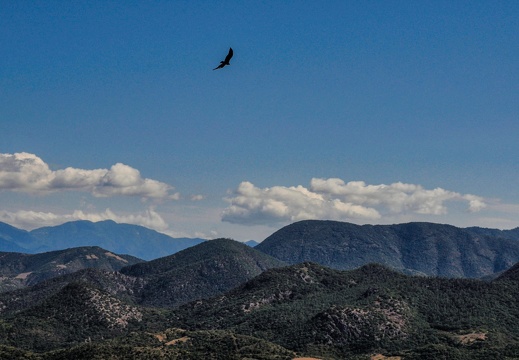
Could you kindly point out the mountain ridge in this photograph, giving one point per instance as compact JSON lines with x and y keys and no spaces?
{"x":120,"y":238}
{"x":415,"y":248}
{"x":19,"y":270}
{"x":305,"y":309}
{"x":13,"y":239}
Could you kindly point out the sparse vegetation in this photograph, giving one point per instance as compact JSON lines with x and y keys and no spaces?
{"x":342,"y":313}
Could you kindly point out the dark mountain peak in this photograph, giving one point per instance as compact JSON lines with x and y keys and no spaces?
{"x":421,"y":248}
{"x":309,"y":224}
{"x":206,"y":252}
{"x":204,"y":270}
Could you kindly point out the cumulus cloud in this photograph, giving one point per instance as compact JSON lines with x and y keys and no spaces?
{"x":397,"y":197}
{"x":33,"y":219}
{"x":336,"y":200}
{"x":28,"y":173}
{"x":253,"y":206}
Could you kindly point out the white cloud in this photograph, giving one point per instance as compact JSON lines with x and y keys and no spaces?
{"x":336,"y":200}
{"x":28,"y":173}
{"x":197,"y":197}
{"x":253,"y":206}
{"x":397,"y":197}
{"x":475,"y":203}
{"x":33,"y":219}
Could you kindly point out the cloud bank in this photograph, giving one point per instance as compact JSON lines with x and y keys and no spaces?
{"x":334,"y":199}
{"x":26,"y":172}
{"x":29,"y":220}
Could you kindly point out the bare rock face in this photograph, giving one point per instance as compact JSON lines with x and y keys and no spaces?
{"x":104,"y":307}
{"x":346,"y":325}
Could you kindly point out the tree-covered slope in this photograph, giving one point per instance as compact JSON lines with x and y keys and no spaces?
{"x":204,"y":270}
{"x":123,"y":287}
{"x":414,"y":248}
{"x":169,"y":344}
{"x":18,"y":270}
{"x":507,"y":234}
{"x":306,"y":309}
{"x":76,"y":313}
{"x":316,"y":310}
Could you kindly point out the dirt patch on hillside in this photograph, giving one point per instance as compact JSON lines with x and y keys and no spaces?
{"x":23,"y":276}
{"x":160,"y":337}
{"x":382,"y":357}
{"x":176,"y":341}
{"x":116,"y":257}
{"x":468,"y":339}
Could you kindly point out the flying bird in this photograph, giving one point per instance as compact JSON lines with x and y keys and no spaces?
{"x":226,"y":61}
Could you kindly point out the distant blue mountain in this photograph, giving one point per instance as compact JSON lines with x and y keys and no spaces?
{"x":251,"y":243}
{"x":8,"y":246}
{"x":13,"y":239}
{"x":128,"y":239}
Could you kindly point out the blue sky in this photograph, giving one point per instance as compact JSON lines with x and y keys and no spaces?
{"x":362,"y":111}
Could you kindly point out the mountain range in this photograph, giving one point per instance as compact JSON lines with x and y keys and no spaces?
{"x":135,"y":240}
{"x":207,"y":269}
{"x":283,"y":313}
{"x":222,"y":299}
{"x":413,"y":248}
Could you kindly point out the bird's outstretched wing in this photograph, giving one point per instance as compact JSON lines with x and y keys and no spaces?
{"x":229,"y":56}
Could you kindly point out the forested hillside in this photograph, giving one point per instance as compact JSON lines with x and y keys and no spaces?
{"x":413,"y":248}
